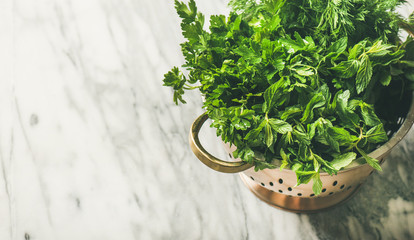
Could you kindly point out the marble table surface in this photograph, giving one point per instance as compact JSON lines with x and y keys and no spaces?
{"x":92,"y":146}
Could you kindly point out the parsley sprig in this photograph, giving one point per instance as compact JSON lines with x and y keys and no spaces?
{"x":312,"y":83}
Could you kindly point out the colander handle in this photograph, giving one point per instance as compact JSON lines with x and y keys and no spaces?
{"x":208,"y":159}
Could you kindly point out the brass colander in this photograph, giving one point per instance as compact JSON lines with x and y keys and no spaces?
{"x":276,"y":187}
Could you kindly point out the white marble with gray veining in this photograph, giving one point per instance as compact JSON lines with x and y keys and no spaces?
{"x":92,"y":146}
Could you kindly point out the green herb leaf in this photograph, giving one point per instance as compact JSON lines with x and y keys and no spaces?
{"x":349,"y":118}
{"x":176,"y":80}
{"x":301,"y":137}
{"x":271,"y":96}
{"x":341,"y":135}
{"x":188,"y":14}
{"x":304,"y":177}
{"x":317,"y":184}
{"x":285,"y":159}
{"x":317,"y":101}
{"x":268,"y":135}
{"x":324,"y":137}
{"x":343,"y":160}
{"x":347,"y":69}
{"x":280,"y":126}
{"x":364,"y":74}
{"x":339,"y":46}
{"x":255,"y":132}
{"x":356,"y":50}
{"x":379,"y":49}
{"x":290,"y":112}
{"x":377,"y":134}
{"x":304,"y":71}
{"x":368,"y":114}
{"x":371,"y":161}
{"x":248,"y":54}
{"x":327,"y":166}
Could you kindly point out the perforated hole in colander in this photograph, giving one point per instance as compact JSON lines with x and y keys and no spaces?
{"x":299,"y":194}
{"x":334,"y":183}
{"x":270,"y":183}
{"x":342,"y":187}
{"x":289,"y":189}
{"x":280,"y":180}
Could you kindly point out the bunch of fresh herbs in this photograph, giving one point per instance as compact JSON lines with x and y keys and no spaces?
{"x":313,"y":83}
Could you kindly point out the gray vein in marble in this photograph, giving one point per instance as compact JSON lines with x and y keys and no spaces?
{"x":33,"y":158}
{"x":7,"y":186}
{"x":5,"y":173}
{"x":74,"y":105}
